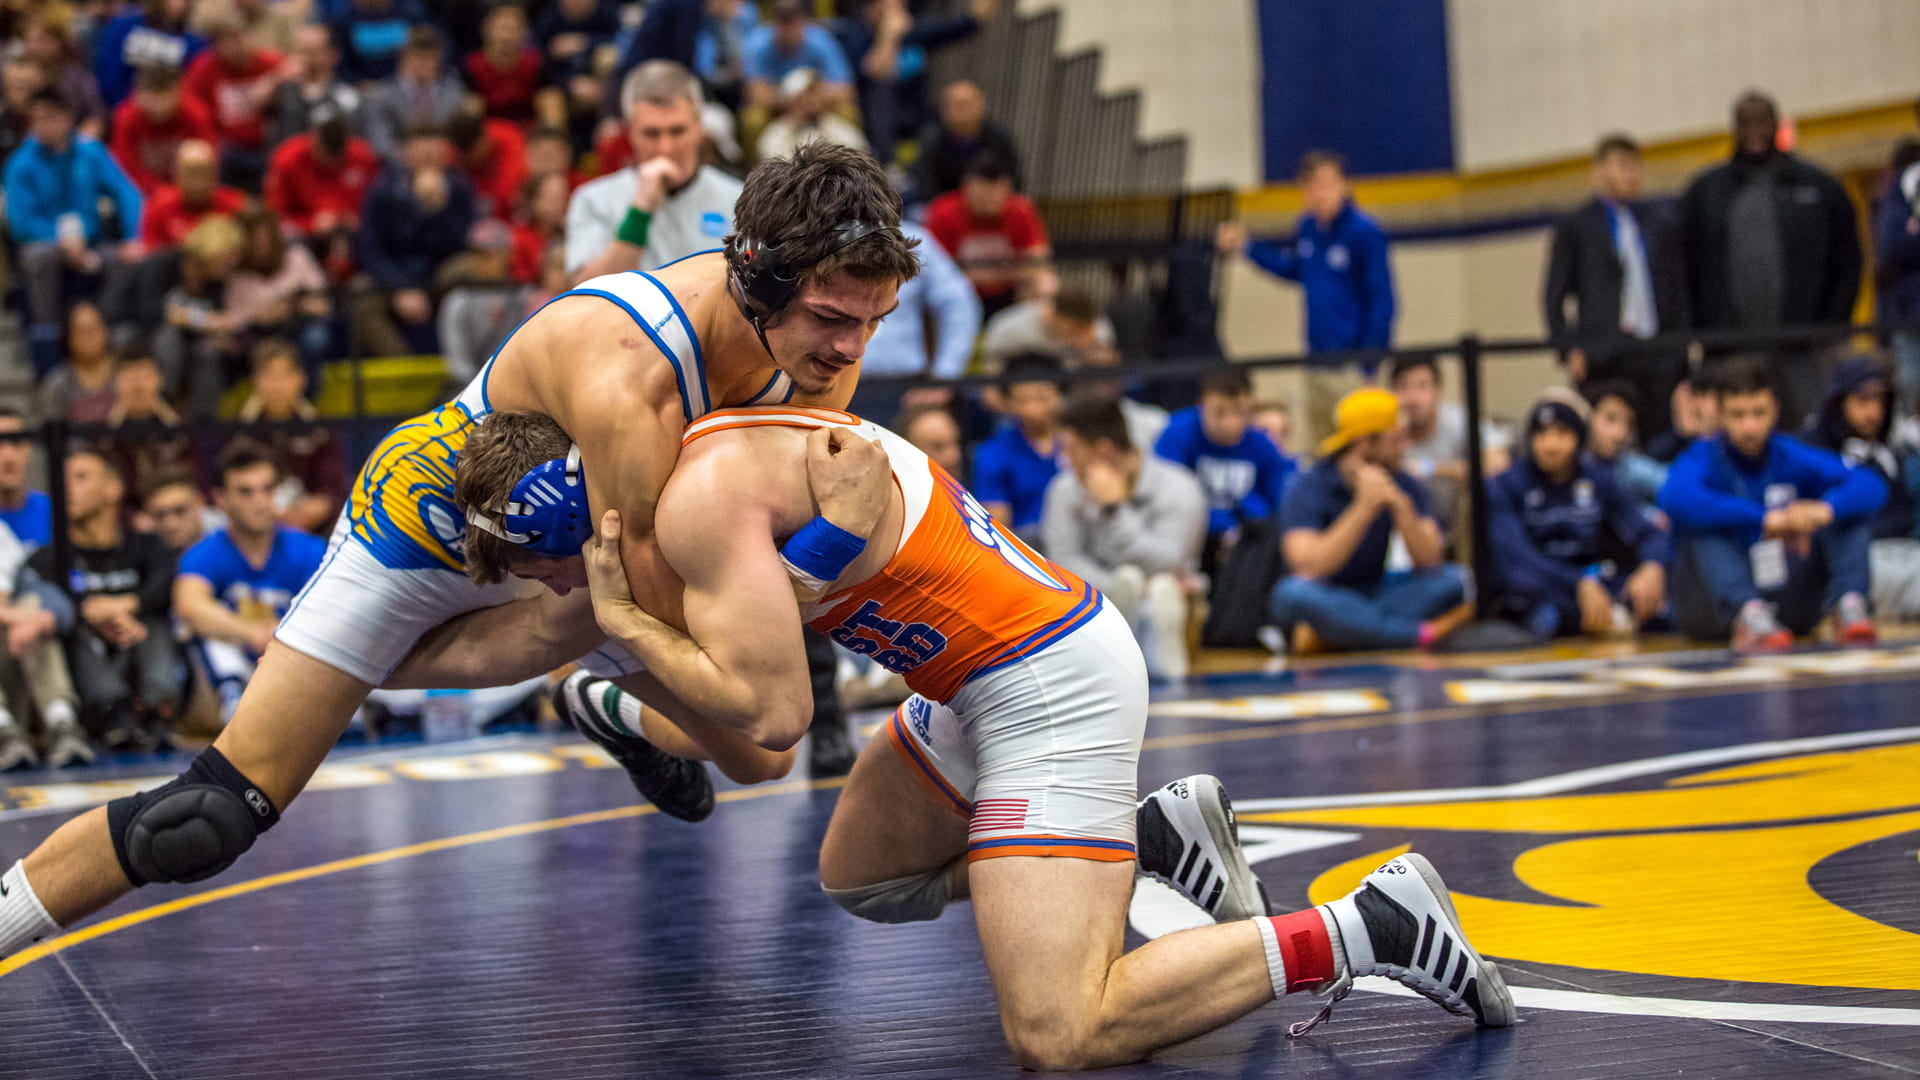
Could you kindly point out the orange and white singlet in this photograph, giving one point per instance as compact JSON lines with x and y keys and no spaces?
{"x":961,"y":597}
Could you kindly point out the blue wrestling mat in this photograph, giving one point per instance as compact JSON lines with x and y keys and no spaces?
{"x":1685,"y":865}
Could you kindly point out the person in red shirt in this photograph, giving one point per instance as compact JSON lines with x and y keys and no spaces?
{"x":543,"y":217}
{"x":493,"y":154}
{"x":150,"y":125}
{"x":505,"y":70}
{"x":316,"y":183}
{"x":234,"y":83}
{"x":196,"y":191}
{"x":995,"y":235}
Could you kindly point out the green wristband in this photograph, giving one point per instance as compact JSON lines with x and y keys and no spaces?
{"x":634,"y":229}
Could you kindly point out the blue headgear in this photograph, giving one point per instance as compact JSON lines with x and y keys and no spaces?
{"x":547,"y":513}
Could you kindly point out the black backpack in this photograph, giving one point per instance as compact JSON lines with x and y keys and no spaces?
{"x":1238,"y":599}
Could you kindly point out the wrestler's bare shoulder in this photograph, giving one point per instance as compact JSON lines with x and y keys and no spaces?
{"x":580,"y":349}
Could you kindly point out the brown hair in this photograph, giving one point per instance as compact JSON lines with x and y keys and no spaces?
{"x":799,"y":203}
{"x":270,"y":349}
{"x":1093,"y":418}
{"x":258,"y":219}
{"x":498,"y":453}
{"x":243,"y":454}
{"x":1314,"y":160}
{"x":1227,"y":383}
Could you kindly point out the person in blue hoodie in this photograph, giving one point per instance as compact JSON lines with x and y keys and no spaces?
{"x":1769,"y":532}
{"x":1854,"y":421}
{"x":1339,"y":258}
{"x":152,"y":34}
{"x":1242,"y":471}
{"x":54,"y":184}
{"x":1575,"y":552}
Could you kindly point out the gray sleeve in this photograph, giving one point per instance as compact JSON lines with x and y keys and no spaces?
{"x":1164,"y":531}
{"x":1063,"y":533}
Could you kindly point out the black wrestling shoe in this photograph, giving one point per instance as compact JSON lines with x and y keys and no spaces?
{"x":829,"y":751}
{"x":679,"y":787}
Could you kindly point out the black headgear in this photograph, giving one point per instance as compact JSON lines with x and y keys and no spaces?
{"x":764,"y":282}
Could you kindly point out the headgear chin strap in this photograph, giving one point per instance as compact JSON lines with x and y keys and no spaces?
{"x":547,"y":513}
{"x":764,"y":282}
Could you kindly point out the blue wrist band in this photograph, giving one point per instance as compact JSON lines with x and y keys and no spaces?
{"x":820,"y":552}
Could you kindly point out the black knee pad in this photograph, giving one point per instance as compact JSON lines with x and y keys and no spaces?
{"x":192,"y":827}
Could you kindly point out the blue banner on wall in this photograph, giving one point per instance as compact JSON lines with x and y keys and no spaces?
{"x":1367,"y":78}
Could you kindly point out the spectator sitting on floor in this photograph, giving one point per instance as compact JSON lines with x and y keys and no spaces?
{"x":279,"y":290}
{"x":1854,"y":422}
{"x":199,"y":347}
{"x":316,"y":80}
{"x":1012,"y":468}
{"x":416,"y":217}
{"x":1610,"y":440}
{"x":234,"y":82}
{"x":55,"y":183}
{"x":173,"y":509}
{"x":1337,"y":521}
{"x":280,"y":418}
{"x":995,"y":235}
{"x":149,"y":127}
{"x":1574,"y":553}
{"x":1066,"y":322}
{"x":125,"y":667}
{"x":421,"y":93}
{"x":1276,"y":419}
{"x":805,"y":114}
{"x":144,"y":438}
{"x":1131,"y":525}
{"x":505,"y":70}
{"x":961,"y":132}
{"x":80,"y":390}
{"x":1769,"y":532}
{"x":1437,"y":432}
{"x":1243,"y":474}
{"x":1696,"y":415}
{"x":234,"y":586}
{"x":933,"y":431}
{"x":29,"y":513}
{"x":34,"y":616}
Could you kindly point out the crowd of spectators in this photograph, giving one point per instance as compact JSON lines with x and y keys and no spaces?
{"x":209,"y":202}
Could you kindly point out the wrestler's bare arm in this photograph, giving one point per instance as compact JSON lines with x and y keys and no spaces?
{"x":741,"y":657}
{"x":501,"y":645}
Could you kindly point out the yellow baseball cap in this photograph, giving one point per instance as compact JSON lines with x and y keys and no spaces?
{"x":1367,"y":411}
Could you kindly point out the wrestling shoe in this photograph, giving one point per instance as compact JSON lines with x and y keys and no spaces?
{"x":1400,"y":924}
{"x":1188,"y":840}
{"x":679,"y":787}
{"x":1852,"y":623}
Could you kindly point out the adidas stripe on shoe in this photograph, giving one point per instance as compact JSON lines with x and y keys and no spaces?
{"x":679,"y":787}
{"x":1187,"y":839}
{"x":1400,"y":924}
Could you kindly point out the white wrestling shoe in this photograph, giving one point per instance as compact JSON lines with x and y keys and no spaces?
{"x":1187,"y":839}
{"x":1400,"y":924}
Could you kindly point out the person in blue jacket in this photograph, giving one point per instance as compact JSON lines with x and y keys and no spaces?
{"x":371,"y":34}
{"x":1338,"y":256}
{"x":54,"y":185}
{"x":1574,"y":552}
{"x":1243,"y":473}
{"x":154,"y":34}
{"x":1770,"y":533}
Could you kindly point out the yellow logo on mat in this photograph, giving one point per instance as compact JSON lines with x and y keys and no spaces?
{"x":1707,"y":875}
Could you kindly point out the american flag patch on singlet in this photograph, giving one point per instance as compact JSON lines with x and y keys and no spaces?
{"x":990,"y":815}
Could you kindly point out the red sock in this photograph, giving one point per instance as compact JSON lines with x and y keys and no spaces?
{"x":1306,"y":952}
